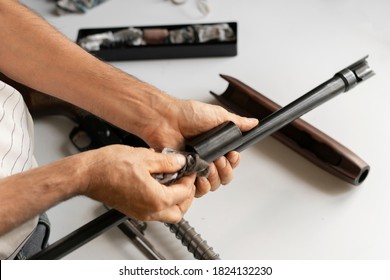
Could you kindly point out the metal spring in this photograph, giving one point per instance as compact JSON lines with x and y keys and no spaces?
{"x":193,"y":241}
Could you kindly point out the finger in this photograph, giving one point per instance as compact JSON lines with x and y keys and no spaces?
{"x":175,"y":213}
{"x":180,"y":191}
{"x":172,"y":215}
{"x":202,"y":186}
{"x":213,"y":178}
{"x":186,"y":204}
{"x":243,"y":123}
{"x":234,"y":158}
{"x":224,"y":169}
{"x":165,"y":163}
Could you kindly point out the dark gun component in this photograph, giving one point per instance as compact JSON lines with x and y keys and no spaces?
{"x":356,"y":170}
{"x":212,"y":144}
{"x":300,"y":136}
{"x":81,"y":236}
{"x":193,"y":241}
{"x":131,"y":228}
{"x":92,"y":133}
{"x":135,"y":230}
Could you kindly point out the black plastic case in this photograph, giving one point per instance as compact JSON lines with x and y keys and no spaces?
{"x":164,"y":51}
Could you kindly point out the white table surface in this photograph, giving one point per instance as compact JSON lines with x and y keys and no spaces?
{"x":279,"y":205}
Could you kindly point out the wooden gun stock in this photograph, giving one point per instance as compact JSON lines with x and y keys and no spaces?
{"x":91,"y":132}
{"x":300,"y":136}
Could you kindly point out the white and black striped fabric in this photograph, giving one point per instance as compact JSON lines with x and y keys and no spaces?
{"x":16,"y":155}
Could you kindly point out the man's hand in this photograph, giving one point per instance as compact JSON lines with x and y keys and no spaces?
{"x":121,"y":177}
{"x":181,"y":120}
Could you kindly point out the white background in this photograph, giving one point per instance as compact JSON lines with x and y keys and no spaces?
{"x":279,"y":206}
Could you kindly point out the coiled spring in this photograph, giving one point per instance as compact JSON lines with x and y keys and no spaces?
{"x":193,"y":241}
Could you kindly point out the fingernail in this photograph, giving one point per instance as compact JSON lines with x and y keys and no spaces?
{"x":252,"y":120}
{"x":203,"y":179}
{"x":234,"y":159}
{"x":212,"y":168}
{"x":181,"y":160}
{"x":225,"y":162}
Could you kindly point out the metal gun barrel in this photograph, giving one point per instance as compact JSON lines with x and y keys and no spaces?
{"x":341,"y":82}
{"x":210,"y":147}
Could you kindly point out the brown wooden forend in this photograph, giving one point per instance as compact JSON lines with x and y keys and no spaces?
{"x":299,"y":135}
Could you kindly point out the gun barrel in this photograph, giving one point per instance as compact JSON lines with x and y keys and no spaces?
{"x":343,"y":81}
{"x":210,"y":147}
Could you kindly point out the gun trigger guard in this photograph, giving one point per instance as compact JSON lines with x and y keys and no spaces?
{"x":80,"y":139}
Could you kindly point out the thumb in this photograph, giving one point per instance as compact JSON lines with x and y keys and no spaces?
{"x":243,"y":123}
{"x":166,"y":163}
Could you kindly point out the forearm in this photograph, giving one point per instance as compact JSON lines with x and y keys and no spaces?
{"x":30,"y":193}
{"x":37,"y":55}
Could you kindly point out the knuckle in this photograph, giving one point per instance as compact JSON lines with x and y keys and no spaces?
{"x":213,"y":176}
{"x":157,"y":206}
{"x":202,"y":186}
{"x":169,"y":162}
{"x":226,"y":180}
{"x":176,"y":217}
{"x":221,"y":163}
{"x":143,"y":217}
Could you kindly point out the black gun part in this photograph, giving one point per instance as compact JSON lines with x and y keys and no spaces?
{"x":227,"y":137}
